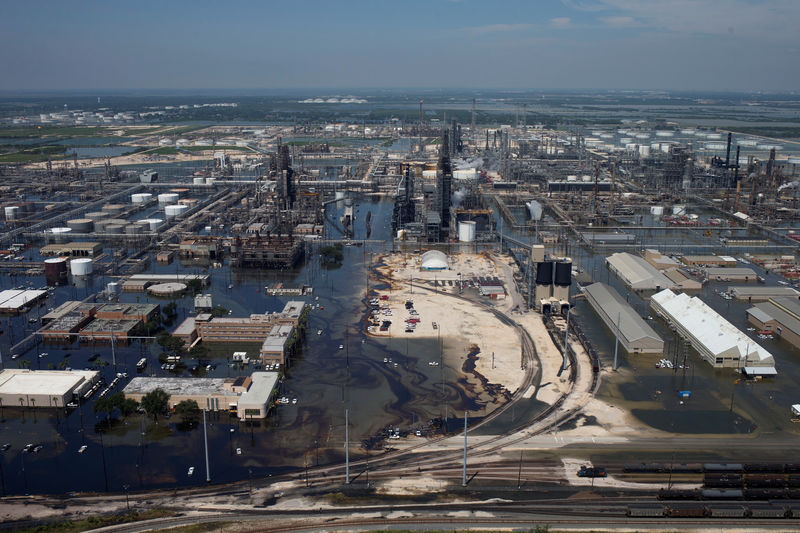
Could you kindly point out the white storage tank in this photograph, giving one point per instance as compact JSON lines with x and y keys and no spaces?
{"x":154,"y":223}
{"x":466,"y":231}
{"x":644,"y":151}
{"x":81,"y":266}
{"x":657,"y":210}
{"x":340,"y":195}
{"x":113,"y":209}
{"x":112,"y":288}
{"x":58,"y":234}
{"x":141,"y":197}
{"x":198,"y":181}
{"x":211,"y":181}
{"x":12,"y":212}
{"x":175,"y":210}
{"x":167,"y":198}
{"x":81,"y":225}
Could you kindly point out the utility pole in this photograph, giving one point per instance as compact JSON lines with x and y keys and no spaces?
{"x":616,"y":341}
{"x":420,"y":126}
{"x":566,"y":343}
{"x":347,"y":442}
{"x":519,"y":473}
{"x":464,"y":469}
{"x":205,"y":440}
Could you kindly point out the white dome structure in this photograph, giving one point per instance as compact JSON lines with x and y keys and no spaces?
{"x":433,"y":260}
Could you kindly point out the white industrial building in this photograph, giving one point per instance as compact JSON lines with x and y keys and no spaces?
{"x":717,"y":341}
{"x":433,"y":260}
{"x":635,"y":335}
{"x":637,"y":273}
{"x":44,"y":388}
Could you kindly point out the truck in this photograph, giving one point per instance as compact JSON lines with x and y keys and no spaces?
{"x":591,"y":471}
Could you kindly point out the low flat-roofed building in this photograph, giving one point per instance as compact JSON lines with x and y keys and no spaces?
{"x":780,"y":315}
{"x":186,"y":330}
{"x":205,"y":279}
{"x":637,"y":273}
{"x":213,"y":394}
{"x":731,"y":274}
{"x":659,"y":260}
{"x":136,"y":285}
{"x":255,"y":403}
{"x":709,"y":260}
{"x":14,"y":301}
{"x":717,"y":341}
{"x":201,"y":246}
{"x":44,"y":388}
{"x":635,"y":335}
{"x":73,"y":249}
{"x":682,"y":281}
{"x":273,"y":349}
{"x":66,"y":327}
{"x":608,"y":238}
{"x":254,"y":328}
{"x":760,"y":293}
{"x":125,"y":311}
{"x":104,"y":329}
{"x":67,"y":308}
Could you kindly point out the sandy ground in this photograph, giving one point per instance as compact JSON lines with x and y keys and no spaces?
{"x":460,"y":324}
{"x":411,"y":486}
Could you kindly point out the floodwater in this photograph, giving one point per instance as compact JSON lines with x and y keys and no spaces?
{"x":406,"y":393}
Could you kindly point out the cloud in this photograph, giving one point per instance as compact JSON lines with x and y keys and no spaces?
{"x":498,"y":28}
{"x":561,"y":22}
{"x":621,"y":21}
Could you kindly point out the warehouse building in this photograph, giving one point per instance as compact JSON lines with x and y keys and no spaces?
{"x":635,"y":335}
{"x":717,"y":341}
{"x":637,"y":273}
{"x":780,"y":315}
{"x":123,"y":311}
{"x":44,"y":388}
{"x":709,"y":260}
{"x":273,"y":349}
{"x":213,"y":394}
{"x":15,"y":301}
{"x":761,"y":293}
{"x":731,"y":274}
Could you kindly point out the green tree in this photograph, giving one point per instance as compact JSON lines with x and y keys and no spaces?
{"x":155,"y":403}
{"x":194,"y":286}
{"x":128,"y":407}
{"x":103,"y":406}
{"x":198,"y":351}
{"x":189,"y":412}
{"x":219,"y":311}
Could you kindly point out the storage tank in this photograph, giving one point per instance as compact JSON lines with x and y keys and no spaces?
{"x":141,"y":197}
{"x":175,"y":210}
{"x":180,"y":192}
{"x":96,"y":215}
{"x":466,"y":231}
{"x":133,"y":229}
{"x":644,"y":151}
{"x":112,"y":288}
{"x":55,"y":270}
{"x":563,"y":274}
{"x":81,"y":266}
{"x":113,"y":209}
{"x":665,"y":133}
{"x":58,"y":234}
{"x":544,"y":273}
{"x":211,"y":181}
{"x":198,"y":181}
{"x":12,"y":212}
{"x":154,"y":223}
{"x":167,"y":198}
{"x":340,"y":195}
{"x":115,"y":229}
{"x":144,"y":224}
{"x":81,"y":225}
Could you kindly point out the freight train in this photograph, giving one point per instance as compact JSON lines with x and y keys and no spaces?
{"x":716,"y":510}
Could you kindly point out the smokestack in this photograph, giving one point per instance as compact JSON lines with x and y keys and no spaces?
{"x":736,"y":167}
{"x":728,"y":152}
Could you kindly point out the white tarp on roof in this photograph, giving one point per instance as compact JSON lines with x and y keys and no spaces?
{"x":710,"y":334}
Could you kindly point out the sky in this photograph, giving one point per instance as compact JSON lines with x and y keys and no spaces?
{"x":704,"y":45}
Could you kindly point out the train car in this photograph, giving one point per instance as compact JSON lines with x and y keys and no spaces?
{"x":722,"y":480}
{"x":687,"y":511}
{"x":676,"y":494}
{"x":646,"y":511}
{"x":645,"y":468}
{"x":727,"y":511}
{"x":791,"y":468}
{"x":771,"y":481}
{"x":793,"y":480}
{"x":768,"y":511}
{"x":765,"y":494}
{"x":722,"y":467}
{"x":722,"y":494}
{"x":687,"y":468}
{"x":764,"y":468}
